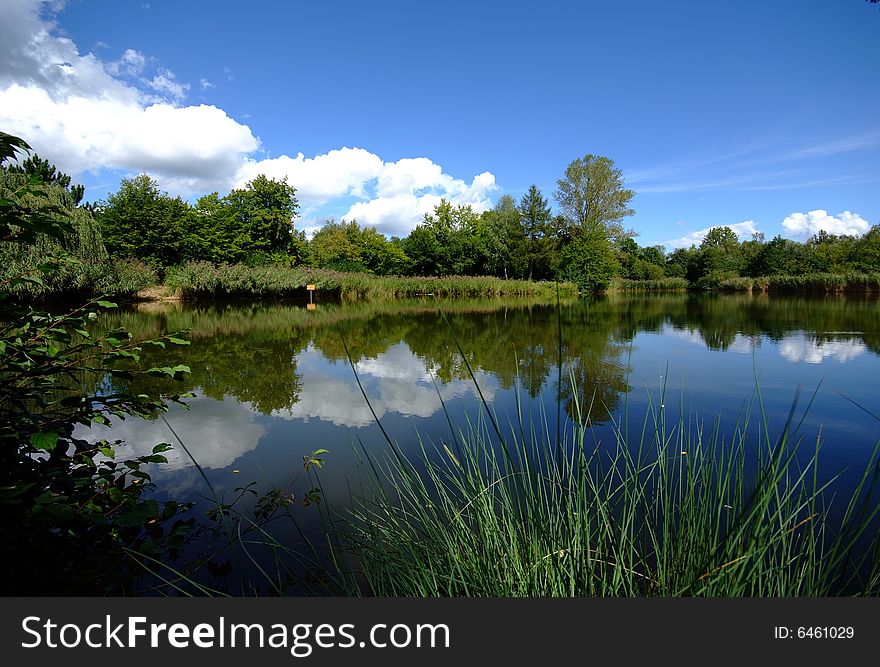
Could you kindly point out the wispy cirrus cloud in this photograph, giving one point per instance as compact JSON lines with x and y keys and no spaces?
{"x":761,"y":167}
{"x":859,"y":142}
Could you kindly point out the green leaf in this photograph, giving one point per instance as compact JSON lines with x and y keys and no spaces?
{"x":161,"y":447}
{"x":177,"y":341}
{"x":115,"y":494}
{"x":106,"y":304}
{"x":45,"y":441}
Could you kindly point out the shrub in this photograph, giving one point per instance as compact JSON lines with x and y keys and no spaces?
{"x":589,"y":262}
{"x":73,"y":515}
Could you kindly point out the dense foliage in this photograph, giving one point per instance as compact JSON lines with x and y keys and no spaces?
{"x":586,"y":244}
{"x":142,"y":222}
{"x":255,"y":226}
{"x":67,"y":240}
{"x":75,"y":517}
{"x":150,"y":236}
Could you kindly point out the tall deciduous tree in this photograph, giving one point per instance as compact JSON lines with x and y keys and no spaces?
{"x":141,"y":221}
{"x":719,"y":254}
{"x":346,"y":246}
{"x":266,"y":208}
{"x":589,"y":262}
{"x":447,"y":242}
{"x":592,"y":196}
{"x":215,"y":233}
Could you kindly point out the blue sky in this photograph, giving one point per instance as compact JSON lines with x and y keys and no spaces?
{"x":759,"y":115}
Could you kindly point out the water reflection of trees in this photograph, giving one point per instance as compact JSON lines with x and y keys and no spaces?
{"x":250,"y":351}
{"x":719,"y":319}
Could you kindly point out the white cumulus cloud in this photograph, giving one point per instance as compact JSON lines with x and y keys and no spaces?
{"x":803,"y":225}
{"x":409,"y":188}
{"x":217,"y":433}
{"x":743,"y":231}
{"x":405,"y":197}
{"x":187,"y":148}
{"x":396,"y":195}
{"x":337,"y":173}
{"x":397,"y":382}
{"x":129,"y":113}
{"x":76,"y":110}
{"x":166,"y":85}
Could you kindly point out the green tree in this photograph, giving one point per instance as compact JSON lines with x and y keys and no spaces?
{"x":141,"y":221}
{"x":750,"y":252}
{"x":866,"y":254}
{"x":719,"y":255}
{"x":334,"y":246}
{"x":447,"y":242}
{"x":640,"y":263}
{"x":503,"y":239}
{"x":424,"y":251}
{"x":592,"y":196}
{"x":265,"y":208}
{"x":589,"y":262}
{"x":783,"y":256}
{"x":683,"y":263}
{"x":346,"y":246}
{"x":215,"y":232}
{"x":73,"y":515}
{"x":48,"y":173}
{"x":541,"y":245}
{"x":833,"y":254}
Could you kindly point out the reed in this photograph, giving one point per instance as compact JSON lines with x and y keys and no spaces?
{"x":820,"y":283}
{"x":658,"y":285}
{"x":674,"y":511}
{"x":201,"y":280}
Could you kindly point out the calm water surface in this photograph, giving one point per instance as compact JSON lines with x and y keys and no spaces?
{"x":273,"y":382}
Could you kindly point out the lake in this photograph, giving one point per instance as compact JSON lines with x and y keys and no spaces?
{"x":276,"y":381}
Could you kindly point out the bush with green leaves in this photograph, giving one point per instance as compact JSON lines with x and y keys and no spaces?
{"x":589,"y":262}
{"x":77,"y":517}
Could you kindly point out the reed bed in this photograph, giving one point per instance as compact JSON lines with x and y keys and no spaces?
{"x":76,"y":279}
{"x":664,"y":508}
{"x":201,"y":280}
{"x":822,"y":283}
{"x":672,"y":512}
{"x":658,"y":285}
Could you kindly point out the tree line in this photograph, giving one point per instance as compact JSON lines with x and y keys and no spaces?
{"x":584,"y":241}
{"x":255,"y":224}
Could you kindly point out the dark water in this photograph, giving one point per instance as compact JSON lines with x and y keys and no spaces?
{"x":273,"y":382}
